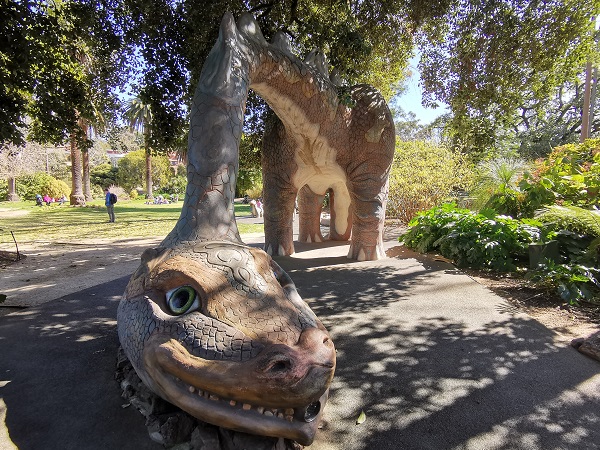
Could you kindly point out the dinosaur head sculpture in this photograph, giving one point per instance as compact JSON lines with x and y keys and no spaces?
{"x":218,"y":329}
{"x":210,"y":324}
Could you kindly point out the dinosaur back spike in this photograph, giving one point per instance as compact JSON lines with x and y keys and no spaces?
{"x":316,"y":58}
{"x":248,"y":27}
{"x":282,"y":42}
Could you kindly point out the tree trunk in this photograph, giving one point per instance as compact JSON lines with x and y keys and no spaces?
{"x":87,"y":186}
{"x":85,"y":158}
{"x":76,"y":198}
{"x":12,"y":190}
{"x":149,"y":194}
{"x":585,"y":117}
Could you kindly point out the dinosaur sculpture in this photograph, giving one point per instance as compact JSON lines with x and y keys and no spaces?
{"x":321,"y":143}
{"x":209,"y":324}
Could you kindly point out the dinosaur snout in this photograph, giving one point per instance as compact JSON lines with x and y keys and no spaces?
{"x":300,"y":372}
{"x":318,"y":347}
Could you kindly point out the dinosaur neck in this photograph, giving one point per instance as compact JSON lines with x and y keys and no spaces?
{"x":299,"y":93}
{"x":302,"y":97}
{"x":213,"y":146}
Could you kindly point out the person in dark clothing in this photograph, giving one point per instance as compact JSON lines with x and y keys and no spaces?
{"x":110,"y":207}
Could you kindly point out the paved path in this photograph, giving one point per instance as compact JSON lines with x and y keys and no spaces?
{"x":433,"y":359}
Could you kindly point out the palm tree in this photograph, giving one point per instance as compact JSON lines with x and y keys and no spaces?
{"x":139,"y":117}
{"x":77,"y":197}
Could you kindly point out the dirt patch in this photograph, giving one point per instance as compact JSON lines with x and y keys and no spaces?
{"x":7,"y":258}
{"x":50,"y":270}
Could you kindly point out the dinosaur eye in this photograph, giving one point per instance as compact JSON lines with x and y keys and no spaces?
{"x":182,"y":299}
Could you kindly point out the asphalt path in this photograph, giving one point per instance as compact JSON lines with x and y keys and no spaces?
{"x":433,"y":360}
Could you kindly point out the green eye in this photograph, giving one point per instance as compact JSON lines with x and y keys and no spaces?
{"x":182,"y":299}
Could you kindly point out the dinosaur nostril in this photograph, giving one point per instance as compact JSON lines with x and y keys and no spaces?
{"x":280,"y":366}
{"x":325,"y":339}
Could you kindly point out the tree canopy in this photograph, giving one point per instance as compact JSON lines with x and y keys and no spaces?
{"x":61,"y":61}
{"x":488,"y":58}
{"x":68,"y":59}
{"x":364,"y":41}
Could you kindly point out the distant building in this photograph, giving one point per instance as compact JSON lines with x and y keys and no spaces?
{"x":114,"y":157}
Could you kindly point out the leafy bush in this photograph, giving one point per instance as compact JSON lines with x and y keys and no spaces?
{"x":133,"y":194}
{"x":248,"y":179}
{"x":574,"y":282}
{"x":495,"y":186}
{"x":576,"y":277}
{"x":176,"y":186}
{"x":120,"y":192}
{"x":488,"y":241}
{"x":570,"y":175}
{"x":103,"y":175}
{"x":424,"y":175}
{"x":506,"y":201}
{"x":571,"y":218}
{"x":480,"y":240}
{"x":3,"y":189}
{"x":55,"y":188}
{"x":255,"y":191}
{"x":28,"y":186}
{"x":132,"y":170}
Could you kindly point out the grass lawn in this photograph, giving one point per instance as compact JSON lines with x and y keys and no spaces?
{"x":135,"y":219}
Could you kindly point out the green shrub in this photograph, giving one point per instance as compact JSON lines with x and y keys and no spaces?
{"x":133,"y":194}
{"x":255,"y":191}
{"x":480,"y":240}
{"x":570,"y":175}
{"x":176,"y":186}
{"x":248,"y":178}
{"x":495,"y":186}
{"x":488,"y":241}
{"x":574,"y":282}
{"x":132,"y":170}
{"x":103,"y":175}
{"x":506,"y":201}
{"x":571,"y":218}
{"x":55,"y":188}
{"x":28,"y":186}
{"x":424,"y":175}
{"x":97,"y":191}
{"x":3,"y":189}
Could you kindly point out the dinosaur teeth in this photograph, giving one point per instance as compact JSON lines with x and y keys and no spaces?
{"x":284,"y":414}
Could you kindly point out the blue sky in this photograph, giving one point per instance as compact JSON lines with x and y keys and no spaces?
{"x":411,"y":99}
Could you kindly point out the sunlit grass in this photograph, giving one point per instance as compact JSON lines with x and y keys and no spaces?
{"x":31,"y":223}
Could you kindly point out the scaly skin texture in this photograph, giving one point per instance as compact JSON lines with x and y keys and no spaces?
{"x":209,"y":324}
{"x":248,"y":355}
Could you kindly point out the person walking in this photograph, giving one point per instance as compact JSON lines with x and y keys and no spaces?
{"x":110,"y":207}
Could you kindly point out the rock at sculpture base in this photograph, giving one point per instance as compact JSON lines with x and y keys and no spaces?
{"x":589,"y":346}
{"x":173,"y":428}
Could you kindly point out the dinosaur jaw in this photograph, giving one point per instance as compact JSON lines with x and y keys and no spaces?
{"x":214,"y":395}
